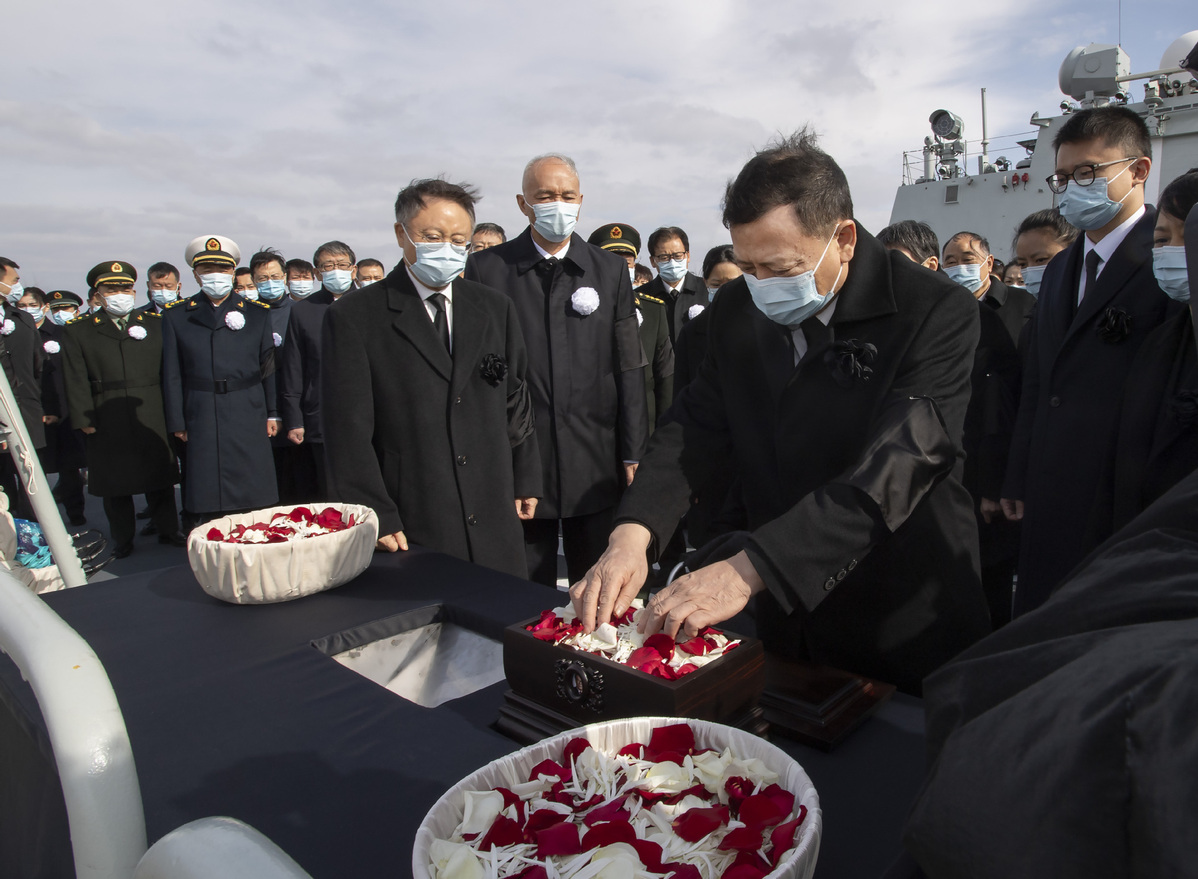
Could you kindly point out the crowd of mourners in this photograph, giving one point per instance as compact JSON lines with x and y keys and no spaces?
{"x":891,"y":444}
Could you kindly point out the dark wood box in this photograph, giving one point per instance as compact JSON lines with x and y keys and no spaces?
{"x":588,"y":688}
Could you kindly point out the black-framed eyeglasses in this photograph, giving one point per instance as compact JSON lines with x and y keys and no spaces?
{"x":670,"y":257}
{"x":1083,"y":175}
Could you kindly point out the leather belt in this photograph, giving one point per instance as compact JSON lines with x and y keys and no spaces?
{"x":221,"y":385}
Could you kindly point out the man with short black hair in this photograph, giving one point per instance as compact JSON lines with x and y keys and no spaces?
{"x":913,"y":239}
{"x":243,"y":283}
{"x":836,"y":380}
{"x":969,"y":262}
{"x":427,"y":412}
{"x":301,"y":279}
{"x":578,"y":318}
{"x":162,"y":287}
{"x":269,"y":271}
{"x":675,"y":285}
{"x":370,"y":271}
{"x":1098,"y":302}
{"x":486,"y":235}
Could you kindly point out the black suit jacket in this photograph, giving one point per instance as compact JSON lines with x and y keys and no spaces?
{"x":300,"y":374}
{"x":1074,"y":374}
{"x":22,"y":358}
{"x":584,"y":371}
{"x":439,"y":446}
{"x":655,"y":339}
{"x":64,"y":446}
{"x":1014,"y":306}
{"x":861,"y":528}
{"x":678,"y":305}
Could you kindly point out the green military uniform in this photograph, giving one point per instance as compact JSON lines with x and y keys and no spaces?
{"x":112,"y":376}
{"x":651,"y":315}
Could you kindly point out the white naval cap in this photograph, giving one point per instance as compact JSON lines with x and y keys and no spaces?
{"x":212,"y":248}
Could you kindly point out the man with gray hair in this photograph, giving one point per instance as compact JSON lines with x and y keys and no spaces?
{"x":585,"y":369}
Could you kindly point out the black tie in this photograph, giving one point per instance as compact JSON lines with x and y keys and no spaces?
{"x":1092,"y":262}
{"x":816,"y":334}
{"x":440,"y":322}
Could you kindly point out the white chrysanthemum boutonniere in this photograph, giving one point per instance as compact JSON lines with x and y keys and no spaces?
{"x":277,"y":339}
{"x":137,"y":332}
{"x":694,"y":311}
{"x":640,"y":318}
{"x":585,"y":300}
{"x":51,"y":347}
{"x":235,"y":320}
{"x":8,"y":328}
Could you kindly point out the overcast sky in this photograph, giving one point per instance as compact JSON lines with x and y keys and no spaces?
{"x":130,"y":128}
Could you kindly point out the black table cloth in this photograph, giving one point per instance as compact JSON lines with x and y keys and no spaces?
{"x":232,"y":710}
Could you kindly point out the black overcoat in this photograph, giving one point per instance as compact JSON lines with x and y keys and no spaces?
{"x":439,"y":446}
{"x":1074,"y":372}
{"x":299,"y":381}
{"x":860,"y":526}
{"x":113,"y":382}
{"x":64,"y":445}
{"x":22,"y":358}
{"x":1014,"y":306}
{"x":655,"y":339}
{"x":678,"y":305}
{"x":584,"y":371}
{"x":219,"y":386}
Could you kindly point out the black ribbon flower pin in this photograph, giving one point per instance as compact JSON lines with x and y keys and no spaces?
{"x":1185,"y":407}
{"x":848,"y":361}
{"x":1115,"y":325}
{"x":493,"y":369}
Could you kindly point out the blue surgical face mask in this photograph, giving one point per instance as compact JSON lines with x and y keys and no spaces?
{"x":15,"y":292}
{"x":438,"y":262}
{"x":1089,"y":207}
{"x":216,"y":285}
{"x":791,"y":300}
{"x":302,"y":289}
{"x":555,"y":220}
{"x":272,"y":289}
{"x":119,"y":304}
{"x":34,"y":312}
{"x":1032,"y":275}
{"x":968,"y":275}
{"x":337,"y":281}
{"x":672,"y":270}
{"x":1169,"y":267}
{"x":711,"y":291}
{"x":61,"y":317}
{"x":632,"y":277}
{"x":163,"y":298}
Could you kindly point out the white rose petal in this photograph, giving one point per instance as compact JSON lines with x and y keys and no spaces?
{"x":481,"y":810}
{"x":51,"y":347}
{"x":137,"y":332}
{"x":585,"y":300}
{"x":694,"y":311}
{"x":235,"y":320}
{"x":455,"y":861}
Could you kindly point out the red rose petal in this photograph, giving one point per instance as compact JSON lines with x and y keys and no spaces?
{"x":738,"y":789}
{"x":761,"y":811}
{"x":539,"y":820}
{"x":587,"y":804}
{"x":742,"y":839}
{"x":574,"y":749}
{"x":694,"y":824}
{"x":753,"y":859}
{"x":697,"y":791}
{"x":549,"y":769}
{"x":214,"y":534}
{"x":558,"y":839}
{"x":686,"y":669}
{"x":743,"y":871}
{"x":698,"y":646}
{"x":636,"y":749}
{"x":503,"y":831}
{"x":607,"y":833}
{"x":650,"y":854}
{"x":611,"y":811}
{"x":678,"y":737}
{"x":783,"y":837}
{"x":662,"y":643}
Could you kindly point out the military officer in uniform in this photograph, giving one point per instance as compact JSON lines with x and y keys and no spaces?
{"x":112,"y":375}
{"x":218,"y":369}
{"x":623,"y":240}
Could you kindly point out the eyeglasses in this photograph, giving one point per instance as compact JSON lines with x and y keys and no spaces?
{"x":434,"y":238}
{"x":670,"y":257}
{"x":1083,"y":175}
{"x":344,"y":266}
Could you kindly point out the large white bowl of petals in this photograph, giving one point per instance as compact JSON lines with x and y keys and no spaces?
{"x":640,"y":798}
{"x":282,"y":553}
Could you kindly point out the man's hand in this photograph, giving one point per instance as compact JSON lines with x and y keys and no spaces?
{"x":614,"y":580}
{"x":629,"y":472}
{"x":990,"y":510}
{"x":296,"y":435}
{"x":708,"y":596}
{"x":49,"y":419}
{"x":181,"y":434}
{"x":525,"y":507}
{"x":392,"y":542}
{"x":88,"y":430}
{"x":272,"y":426}
{"x":1012,"y":509}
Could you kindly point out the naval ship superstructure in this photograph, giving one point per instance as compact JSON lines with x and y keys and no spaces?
{"x":938,"y":189}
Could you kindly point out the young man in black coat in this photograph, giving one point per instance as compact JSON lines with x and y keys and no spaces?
{"x":675,"y":285}
{"x":585,"y":361}
{"x":427,"y":417}
{"x":837,"y":380}
{"x":1098,"y":303}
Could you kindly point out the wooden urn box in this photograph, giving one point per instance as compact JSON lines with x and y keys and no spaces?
{"x":555,"y":688}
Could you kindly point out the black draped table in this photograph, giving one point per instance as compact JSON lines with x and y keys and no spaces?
{"x":233,"y":711}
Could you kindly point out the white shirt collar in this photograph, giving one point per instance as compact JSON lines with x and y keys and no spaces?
{"x":426,"y":292}
{"x":1107,"y":246}
{"x":545,"y":254}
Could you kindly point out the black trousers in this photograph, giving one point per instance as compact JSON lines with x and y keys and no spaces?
{"x":122,"y":521}
{"x":69,"y":491}
{"x":583,"y":540}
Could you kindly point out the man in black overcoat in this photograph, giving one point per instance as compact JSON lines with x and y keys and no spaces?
{"x":1098,"y":302}
{"x":218,"y":382}
{"x":968,"y":261}
{"x":427,"y":416}
{"x":578,"y":318}
{"x":675,"y":285}
{"x":837,"y":380}
{"x":112,"y":374}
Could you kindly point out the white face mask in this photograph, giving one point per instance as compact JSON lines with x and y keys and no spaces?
{"x":672,"y":270}
{"x":119,"y":304}
{"x":34,"y":312}
{"x":1032,"y":276}
{"x":249,"y":293}
{"x":302,"y":289}
{"x":632,"y":276}
{"x":337,"y":281}
{"x":217,"y":285}
{"x":555,"y":220}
